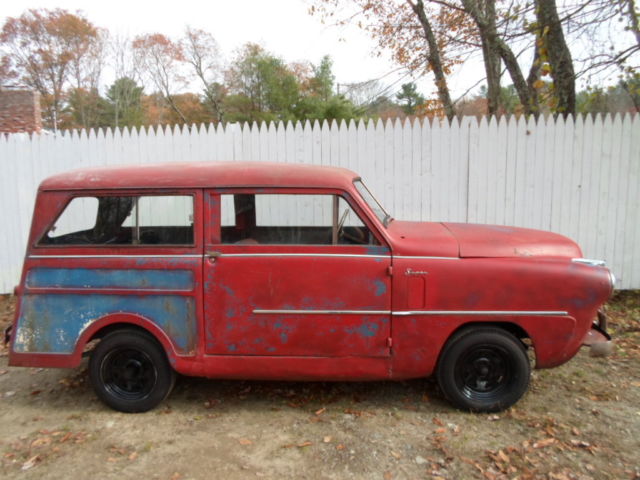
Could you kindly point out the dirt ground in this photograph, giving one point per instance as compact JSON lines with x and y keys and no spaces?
{"x":579,"y":421}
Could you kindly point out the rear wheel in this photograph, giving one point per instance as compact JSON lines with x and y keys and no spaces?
{"x":484,"y":370}
{"x":129,"y":371}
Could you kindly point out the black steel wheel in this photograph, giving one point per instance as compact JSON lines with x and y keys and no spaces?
{"x":129,"y":371}
{"x":483,"y":369}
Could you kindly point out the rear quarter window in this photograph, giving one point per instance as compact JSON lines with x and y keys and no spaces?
{"x":124,"y":220}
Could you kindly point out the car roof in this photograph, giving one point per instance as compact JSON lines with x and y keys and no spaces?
{"x":201,"y":175}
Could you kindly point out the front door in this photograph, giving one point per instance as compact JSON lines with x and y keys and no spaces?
{"x":295,"y":274}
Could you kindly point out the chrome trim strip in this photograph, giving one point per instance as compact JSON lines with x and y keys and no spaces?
{"x":323,"y":312}
{"x":349,"y":255}
{"x":589,"y":261}
{"x":410,"y":257}
{"x":521,"y":313}
{"x":274,"y":254}
{"x":116,"y":256}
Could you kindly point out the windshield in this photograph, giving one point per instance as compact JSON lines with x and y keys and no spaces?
{"x":374,"y":205}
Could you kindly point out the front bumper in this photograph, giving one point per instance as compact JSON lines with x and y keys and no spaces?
{"x":598,"y":339}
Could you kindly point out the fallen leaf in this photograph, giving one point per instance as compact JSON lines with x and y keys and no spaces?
{"x":395,"y":455}
{"x":544,"y":443}
{"x":580,"y":443}
{"x":387,"y":475}
{"x":112,"y":459}
{"x":321,"y":411}
{"x":40,"y":442}
{"x":437,"y":421}
{"x":305,"y":444}
{"x":503,"y":456}
{"x":440,"y":430}
{"x":133,"y":456}
{"x":493,"y":418}
{"x":30,"y":463}
{"x":245,"y":441}
{"x":340,"y":447}
{"x":326,"y":439}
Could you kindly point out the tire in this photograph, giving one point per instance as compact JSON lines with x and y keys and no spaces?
{"x":483,"y":370}
{"x":129,"y":371}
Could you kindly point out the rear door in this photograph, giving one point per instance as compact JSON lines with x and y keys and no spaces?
{"x":283,"y":277}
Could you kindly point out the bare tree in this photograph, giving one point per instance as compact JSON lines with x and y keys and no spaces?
{"x":434,"y":58}
{"x":201,"y":52}
{"x":127,"y":70}
{"x":160,"y":59}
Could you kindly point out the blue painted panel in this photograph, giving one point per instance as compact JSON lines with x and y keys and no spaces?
{"x":110,"y":278}
{"x":52,"y":323}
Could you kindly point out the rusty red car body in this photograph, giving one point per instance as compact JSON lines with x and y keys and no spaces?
{"x":380,"y":307}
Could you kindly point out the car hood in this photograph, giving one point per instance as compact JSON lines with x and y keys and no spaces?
{"x":498,"y":241}
{"x":430,"y":239}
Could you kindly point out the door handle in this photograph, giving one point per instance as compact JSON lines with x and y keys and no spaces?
{"x":213,"y":255}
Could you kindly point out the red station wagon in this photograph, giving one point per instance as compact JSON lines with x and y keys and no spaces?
{"x":289,"y":272}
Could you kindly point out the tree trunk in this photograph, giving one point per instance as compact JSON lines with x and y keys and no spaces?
{"x":491,"y":61}
{"x":505,"y":53}
{"x":534,"y":75}
{"x":634,"y":25}
{"x":559,"y":56}
{"x":434,"y":59}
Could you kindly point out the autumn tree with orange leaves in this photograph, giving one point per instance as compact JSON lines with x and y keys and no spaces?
{"x":434,"y":35}
{"x":424,"y":38}
{"x":46,"y":48}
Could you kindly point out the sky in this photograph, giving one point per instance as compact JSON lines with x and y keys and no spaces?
{"x":283,"y":27}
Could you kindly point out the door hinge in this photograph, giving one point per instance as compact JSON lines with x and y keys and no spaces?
{"x":389,"y":342}
{"x":390,"y":270}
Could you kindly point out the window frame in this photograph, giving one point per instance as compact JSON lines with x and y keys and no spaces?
{"x":195,"y":194}
{"x":214,"y":234}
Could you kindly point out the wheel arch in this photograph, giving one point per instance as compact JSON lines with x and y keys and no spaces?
{"x":510,"y":327}
{"x":121,"y":321}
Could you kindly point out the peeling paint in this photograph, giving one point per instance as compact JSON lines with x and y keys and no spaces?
{"x":367,"y":329}
{"x":95,"y":278}
{"x":380,"y":287}
{"x":52,"y":323}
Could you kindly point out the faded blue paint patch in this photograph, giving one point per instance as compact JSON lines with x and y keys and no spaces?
{"x":232,"y":347}
{"x":52,"y":323}
{"x":228,"y":289}
{"x":284,"y":330}
{"x":380,"y":287}
{"x":107,"y":278}
{"x":377,"y":250}
{"x":367,"y":329}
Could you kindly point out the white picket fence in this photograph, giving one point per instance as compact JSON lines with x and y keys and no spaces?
{"x":576,"y":177}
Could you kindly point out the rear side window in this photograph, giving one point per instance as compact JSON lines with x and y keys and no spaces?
{"x":132,"y":220}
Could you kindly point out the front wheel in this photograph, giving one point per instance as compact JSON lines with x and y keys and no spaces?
{"x":129,"y":371}
{"x":483,"y":369}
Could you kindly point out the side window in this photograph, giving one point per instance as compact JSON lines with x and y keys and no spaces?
{"x":291,"y":219}
{"x":79,"y":217}
{"x":133,"y":220}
